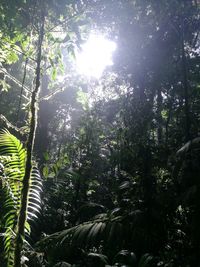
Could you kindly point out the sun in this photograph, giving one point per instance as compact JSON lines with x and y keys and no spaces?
{"x":95,"y":56}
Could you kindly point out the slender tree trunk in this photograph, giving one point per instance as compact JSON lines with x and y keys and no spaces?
{"x":159,"y":116}
{"x":185,"y":87}
{"x":30,"y":144}
{"x":167,"y":124}
{"x":44,"y":116}
{"x":61,"y":140}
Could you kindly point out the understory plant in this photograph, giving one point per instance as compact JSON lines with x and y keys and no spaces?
{"x":13,"y":160}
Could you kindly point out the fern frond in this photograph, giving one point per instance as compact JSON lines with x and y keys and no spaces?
{"x":13,"y":157}
{"x":34,"y":199}
{"x":11,"y":147}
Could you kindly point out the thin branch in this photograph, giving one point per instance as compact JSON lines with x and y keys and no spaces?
{"x":9,"y":125}
{"x":47,"y":97}
{"x":65,"y":21}
{"x":12,"y":78}
{"x":24,"y":76}
{"x":22,"y":88}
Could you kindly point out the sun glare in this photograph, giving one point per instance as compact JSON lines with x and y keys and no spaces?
{"x":95,"y":56}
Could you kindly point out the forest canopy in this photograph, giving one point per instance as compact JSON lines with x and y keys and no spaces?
{"x":99,"y":133}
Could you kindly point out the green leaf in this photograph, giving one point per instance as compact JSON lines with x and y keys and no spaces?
{"x":46,"y":156}
{"x":13,"y":156}
{"x":45,"y":171}
{"x":82,"y":98}
{"x":54,"y":73}
{"x":11,"y":58}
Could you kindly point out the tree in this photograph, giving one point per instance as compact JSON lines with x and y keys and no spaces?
{"x":40,"y":27}
{"x":116,"y":156}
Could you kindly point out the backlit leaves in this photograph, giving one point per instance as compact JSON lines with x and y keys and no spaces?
{"x":13,"y":156}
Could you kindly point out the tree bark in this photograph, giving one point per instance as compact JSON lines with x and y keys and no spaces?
{"x":159,"y":116}
{"x":30,"y":144}
{"x":44,"y":116}
{"x":185,"y":87}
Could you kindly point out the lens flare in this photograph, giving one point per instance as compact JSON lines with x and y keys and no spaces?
{"x":95,"y":56}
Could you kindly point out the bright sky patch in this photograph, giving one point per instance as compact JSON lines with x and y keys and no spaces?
{"x":95,"y":56}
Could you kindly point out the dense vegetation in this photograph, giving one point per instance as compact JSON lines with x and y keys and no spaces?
{"x":100,"y":172}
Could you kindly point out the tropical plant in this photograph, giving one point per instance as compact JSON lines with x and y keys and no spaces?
{"x":105,"y":234}
{"x":13,"y":159}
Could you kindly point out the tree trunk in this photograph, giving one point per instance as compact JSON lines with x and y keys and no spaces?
{"x":185,"y":87}
{"x":159,"y":116}
{"x":30,"y":144}
{"x":44,"y":115}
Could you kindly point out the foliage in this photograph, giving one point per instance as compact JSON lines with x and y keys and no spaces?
{"x":116,"y":193}
{"x":13,"y":159}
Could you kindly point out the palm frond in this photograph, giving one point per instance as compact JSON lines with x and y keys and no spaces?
{"x":108,"y":232}
{"x":34,"y":200}
{"x":13,"y":157}
{"x":14,"y":162}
